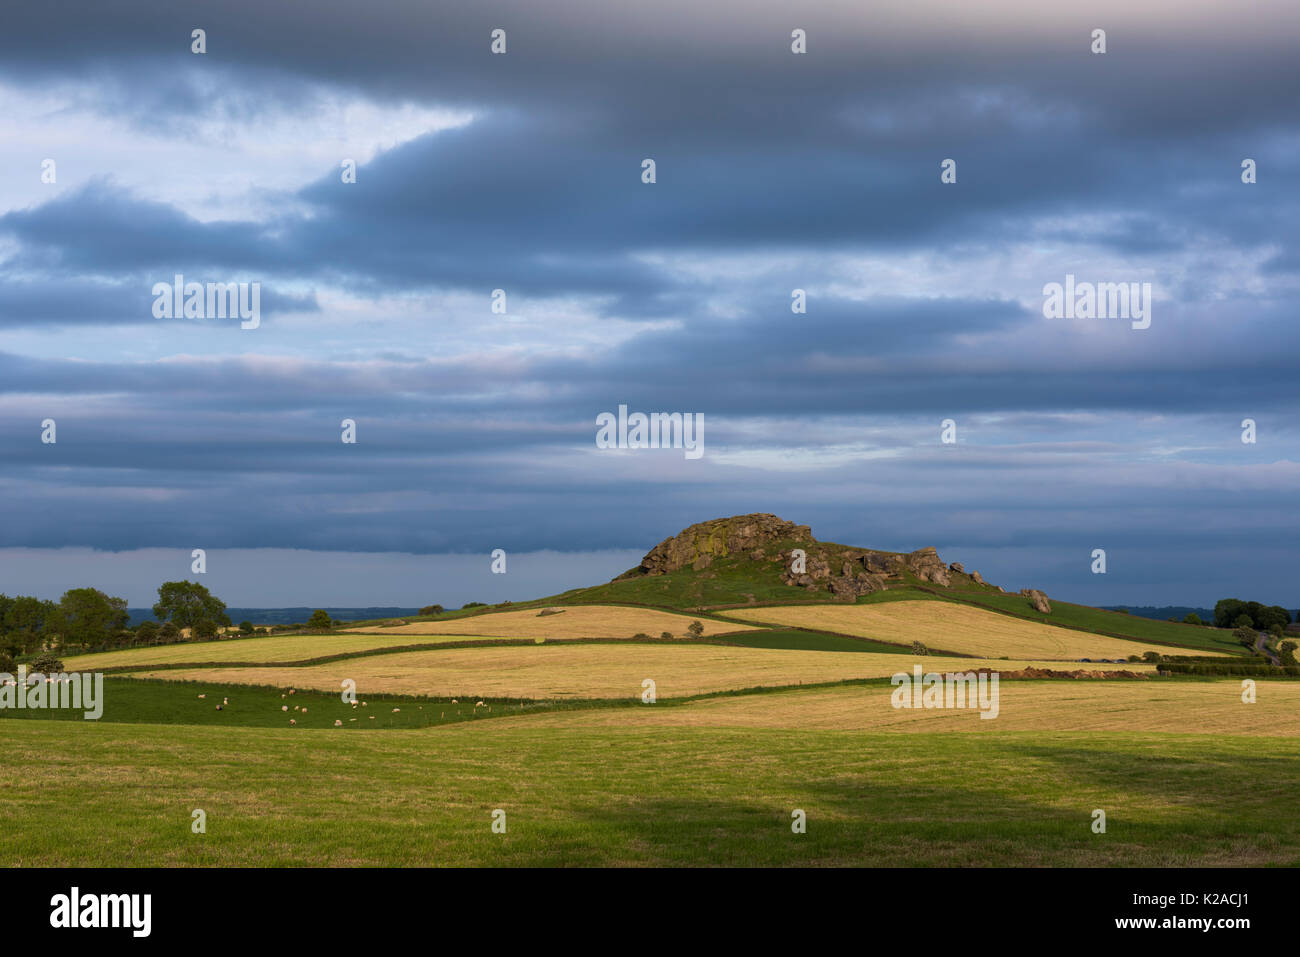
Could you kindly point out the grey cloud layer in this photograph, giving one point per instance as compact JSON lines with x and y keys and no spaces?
{"x":818,"y":172}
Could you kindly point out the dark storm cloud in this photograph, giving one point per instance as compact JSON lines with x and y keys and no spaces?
{"x":785,"y":161}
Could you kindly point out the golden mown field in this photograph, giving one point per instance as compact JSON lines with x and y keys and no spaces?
{"x":577,"y":621}
{"x":584,"y":671}
{"x":270,"y":649}
{"x":956,"y":628}
{"x":1158,"y":706}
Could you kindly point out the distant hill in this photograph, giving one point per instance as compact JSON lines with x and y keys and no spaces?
{"x":289,"y":616}
{"x":1163,"y":612}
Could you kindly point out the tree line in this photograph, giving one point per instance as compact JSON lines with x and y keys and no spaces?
{"x":87,"y":619}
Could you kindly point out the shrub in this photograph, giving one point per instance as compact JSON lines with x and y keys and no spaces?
{"x":1151,"y":656}
{"x":319,"y":620}
{"x":918,"y":648}
{"x":642,"y":636}
{"x":46,"y":664}
{"x":431,"y":610}
{"x":1245,"y":635}
{"x":1192,"y":618}
{"x":696,"y":629}
{"x":667,"y":635}
{"x":7,"y":665}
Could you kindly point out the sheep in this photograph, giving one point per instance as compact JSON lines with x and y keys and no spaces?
{"x":202,"y":696}
{"x":293,"y":721}
{"x":339,"y":724}
{"x":284,"y":707}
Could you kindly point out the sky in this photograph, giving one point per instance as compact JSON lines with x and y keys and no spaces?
{"x":126,"y":158}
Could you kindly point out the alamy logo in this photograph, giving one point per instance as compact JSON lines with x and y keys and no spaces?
{"x":214,"y":300}
{"x":1103,"y":300}
{"x":658,"y":430}
{"x":134,"y":911}
{"x":78,"y":691}
{"x":933,"y":690}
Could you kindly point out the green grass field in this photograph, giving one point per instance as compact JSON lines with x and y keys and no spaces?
{"x":85,"y":794}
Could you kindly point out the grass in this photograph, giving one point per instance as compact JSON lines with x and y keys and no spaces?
{"x":281,"y":648}
{"x":586,"y":671}
{"x":92,"y":795}
{"x":797,"y":639}
{"x":133,"y":701}
{"x":1099,"y":620}
{"x":1153,"y":707}
{"x":577,"y":621}
{"x":953,"y":628}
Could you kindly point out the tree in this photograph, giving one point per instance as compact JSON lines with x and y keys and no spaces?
{"x":29,"y":622}
{"x":246,"y":628}
{"x":431,"y":610}
{"x":1152,"y":656}
{"x":146,"y":632}
{"x":88,"y":617}
{"x":319,"y":620}
{"x":168,"y":632}
{"x":1230,"y":611}
{"x":1245,"y":636}
{"x":185,"y":603}
{"x":1270,"y":616}
{"x":1286,"y":652}
{"x":1276,"y":630}
{"x":1192,"y":618}
{"x":1226,"y":611}
{"x":695,"y":629}
{"x":203,"y":629}
{"x":666,"y":635}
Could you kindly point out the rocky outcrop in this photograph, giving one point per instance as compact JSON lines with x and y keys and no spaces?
{"x":698,"y":545}
{"x":958,"y":568}
{"x":1038,"y":600}
{"x":977,"y":578}
{"x":926,"y":565}
{"x":846,"y":573}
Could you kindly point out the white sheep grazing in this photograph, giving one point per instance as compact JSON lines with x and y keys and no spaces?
{"x":284,"y":707}
{"x":395,"y":710}
{"x":292,"y":721}
{"x":202,"y":696}
{"x":339,"y":724}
